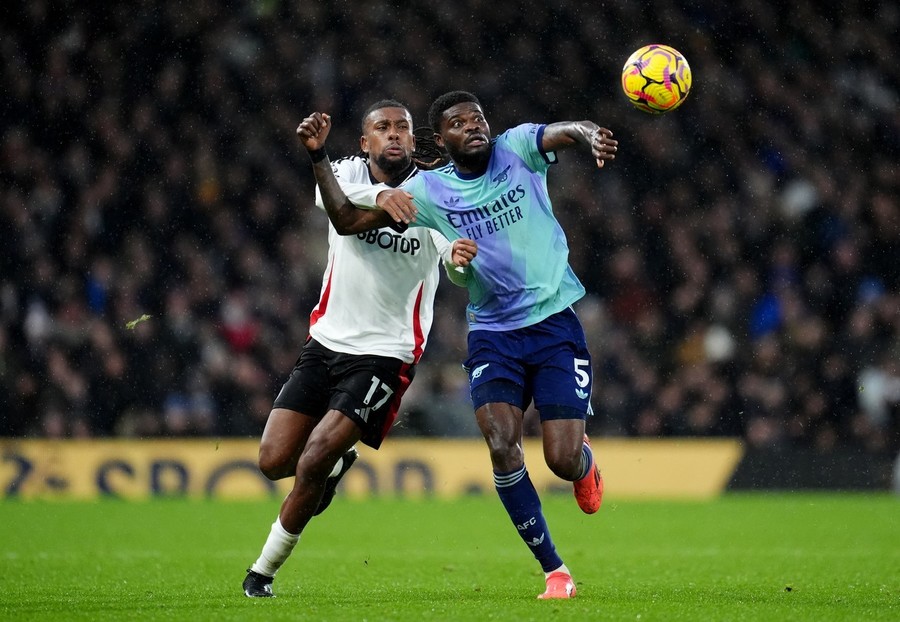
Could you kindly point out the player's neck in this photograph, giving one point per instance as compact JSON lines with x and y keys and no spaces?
{"x":477,"y":171}
{"x":472,"y":165}
{"x":391,"y":178}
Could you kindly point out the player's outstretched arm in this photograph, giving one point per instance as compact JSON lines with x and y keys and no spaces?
{"x":456,"y":256}
{"x":567,"y":134}
{"x":346,"y":218}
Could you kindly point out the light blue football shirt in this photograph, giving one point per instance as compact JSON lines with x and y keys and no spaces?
{"x":521,"y":274}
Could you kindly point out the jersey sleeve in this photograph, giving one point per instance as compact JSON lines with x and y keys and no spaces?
{"x":417,"y":187}
{"x":526,"y":140}
{"x":457,"y":274}
{"x":362,"y":195}
{"x":443,"y":245}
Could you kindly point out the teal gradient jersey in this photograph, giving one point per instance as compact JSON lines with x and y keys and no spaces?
{"x":521,"y":274}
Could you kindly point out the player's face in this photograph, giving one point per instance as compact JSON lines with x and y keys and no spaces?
{"x":466,"y":135}
{"x":388,"y":139}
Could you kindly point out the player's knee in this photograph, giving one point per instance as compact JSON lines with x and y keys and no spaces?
{"x":273,"y":463}
{"x":565,"y":465}
{"x":506,"y":453}
{"x":499,"y":426}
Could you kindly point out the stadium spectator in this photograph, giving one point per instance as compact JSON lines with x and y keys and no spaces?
{"x":148,"y":149}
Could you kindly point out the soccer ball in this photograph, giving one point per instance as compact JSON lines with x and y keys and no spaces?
{"x":656,"y":78}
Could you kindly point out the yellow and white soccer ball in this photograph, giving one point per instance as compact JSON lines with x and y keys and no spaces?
{"x":656,"y":78}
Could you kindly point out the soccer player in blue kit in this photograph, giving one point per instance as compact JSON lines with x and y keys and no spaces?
{"x":525,"y":342}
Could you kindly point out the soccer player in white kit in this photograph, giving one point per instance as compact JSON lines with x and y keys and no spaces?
{"x":367,"y":333}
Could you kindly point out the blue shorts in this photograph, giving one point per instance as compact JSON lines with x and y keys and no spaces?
{"x":547,"y":362}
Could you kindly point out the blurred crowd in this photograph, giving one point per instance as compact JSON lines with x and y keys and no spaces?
{"x":741,"y":255}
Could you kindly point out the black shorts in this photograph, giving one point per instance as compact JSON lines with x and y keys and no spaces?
{"x":366,"y":388}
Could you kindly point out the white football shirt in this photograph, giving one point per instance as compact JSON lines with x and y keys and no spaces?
{"x":378,"y":288}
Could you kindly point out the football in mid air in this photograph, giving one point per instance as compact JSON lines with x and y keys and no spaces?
{"x":656,"y":78}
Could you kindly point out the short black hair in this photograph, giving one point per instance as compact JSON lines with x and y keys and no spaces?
{"x":447,"y":100}
{"x":382,"y":103}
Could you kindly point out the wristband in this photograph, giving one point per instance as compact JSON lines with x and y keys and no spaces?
{"x":317,"y":155}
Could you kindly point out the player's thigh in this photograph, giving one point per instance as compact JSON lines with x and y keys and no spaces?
{"x":283,"y":440}
{"x":310,"y":384}
{"x":496,"y":370}
{"x":563,"y":399}
{"x":368,"y":391}
{"x":301,"y":402}
{"x":328,"y":441}
{"x":562,"y":377}
{"x":498,"y":384}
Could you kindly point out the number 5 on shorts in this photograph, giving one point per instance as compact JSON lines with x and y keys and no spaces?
{"x":582,"y":377}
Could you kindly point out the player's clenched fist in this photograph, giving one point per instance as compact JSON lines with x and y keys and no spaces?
{"x":313,"y":130}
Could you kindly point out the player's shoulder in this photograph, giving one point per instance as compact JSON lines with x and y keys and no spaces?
{"x":351,"y":161}
{"x":445,"y":169}
{"x":351,"y":168}
{"x":525,"y":130}
{"x":523,"y":139}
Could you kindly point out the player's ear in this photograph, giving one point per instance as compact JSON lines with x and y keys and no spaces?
{"x":363,"y":144}
{"x":438,"y":140}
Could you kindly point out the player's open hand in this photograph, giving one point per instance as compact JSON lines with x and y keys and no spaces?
{"x":398,"y":204}
{"x":464,"y":251}
{"x":603,"y":146}
{"x":313,"y":130}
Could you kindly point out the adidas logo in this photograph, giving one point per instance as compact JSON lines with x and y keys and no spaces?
{"x":537,"y":541}
{"x":582,"y":395}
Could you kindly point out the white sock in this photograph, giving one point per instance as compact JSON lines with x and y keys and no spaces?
{"x":562,"y":568}
{"x":276,"y":550}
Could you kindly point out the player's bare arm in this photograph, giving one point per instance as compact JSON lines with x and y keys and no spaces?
{"x":346,"y":218}
{"x":569,"y":134}
{"x":398,"y":203}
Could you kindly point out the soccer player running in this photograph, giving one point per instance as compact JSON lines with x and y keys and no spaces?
{"x":525,"y":342}
{"x":366,"y":334}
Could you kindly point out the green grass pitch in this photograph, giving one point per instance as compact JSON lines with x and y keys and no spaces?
{"x":740,"y":557}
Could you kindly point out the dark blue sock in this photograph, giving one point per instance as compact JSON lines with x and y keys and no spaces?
{"x":587,"y":461}
{"x":523,"y":505}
